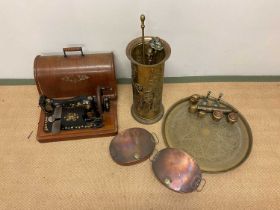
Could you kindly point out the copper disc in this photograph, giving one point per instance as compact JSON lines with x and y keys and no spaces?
{"x":132,"y":146}
{"x":176,"y":170}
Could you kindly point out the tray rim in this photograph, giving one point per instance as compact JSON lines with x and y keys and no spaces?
{"x":241,"y":117}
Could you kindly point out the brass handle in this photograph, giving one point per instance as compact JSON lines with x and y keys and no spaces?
{"x":154,"y":155}
{"x":72,"y":49}
{"x":156,"y":140}
{"x":203,"y":181}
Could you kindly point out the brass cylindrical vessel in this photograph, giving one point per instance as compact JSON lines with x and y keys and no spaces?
{"x":147,"y":78}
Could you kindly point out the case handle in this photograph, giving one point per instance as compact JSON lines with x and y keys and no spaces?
{"x":72,"y":49}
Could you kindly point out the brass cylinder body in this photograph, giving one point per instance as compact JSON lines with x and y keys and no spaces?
{"x":147,"y":80}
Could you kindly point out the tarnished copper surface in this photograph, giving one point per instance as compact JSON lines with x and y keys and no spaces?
{"x":176,"y":170}
{"x":132,"y":146}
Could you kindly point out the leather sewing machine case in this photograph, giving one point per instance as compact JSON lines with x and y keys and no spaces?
{"x":76,"y":79}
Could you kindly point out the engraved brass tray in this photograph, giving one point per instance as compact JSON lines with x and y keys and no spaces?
{"x":216,"y":146}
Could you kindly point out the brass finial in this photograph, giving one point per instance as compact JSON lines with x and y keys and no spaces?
{"x":142,"y":18}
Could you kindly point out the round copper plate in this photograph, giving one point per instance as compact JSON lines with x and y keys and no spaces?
{"x":176,"y":170}
{"x":132,"y":146}
{"x":216,"y":146}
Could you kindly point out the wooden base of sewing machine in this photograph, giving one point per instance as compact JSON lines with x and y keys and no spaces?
{"x":110,"y":128}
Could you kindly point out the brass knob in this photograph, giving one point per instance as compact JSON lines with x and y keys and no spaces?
{"x":193,"y":108}
{"x":217,"y":115}
{"x":232,"y":117}
{"x":194,"y":98}
{"x":142,"y":18}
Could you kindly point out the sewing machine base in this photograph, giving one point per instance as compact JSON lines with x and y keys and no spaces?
{"x":109,"y":128}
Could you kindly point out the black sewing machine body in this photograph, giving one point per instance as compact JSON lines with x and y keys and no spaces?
{"x":74,"y":113}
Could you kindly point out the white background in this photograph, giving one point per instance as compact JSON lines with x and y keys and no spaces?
{"x":207,"y":37}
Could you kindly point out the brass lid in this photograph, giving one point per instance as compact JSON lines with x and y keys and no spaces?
{"x":132,"y":146}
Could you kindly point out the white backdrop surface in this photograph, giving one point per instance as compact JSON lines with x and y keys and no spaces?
{"x":207,"y":37}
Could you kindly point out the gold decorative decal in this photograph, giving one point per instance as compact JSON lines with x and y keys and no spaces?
{"x":71,"y":117}
{"x":75,"y":78}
